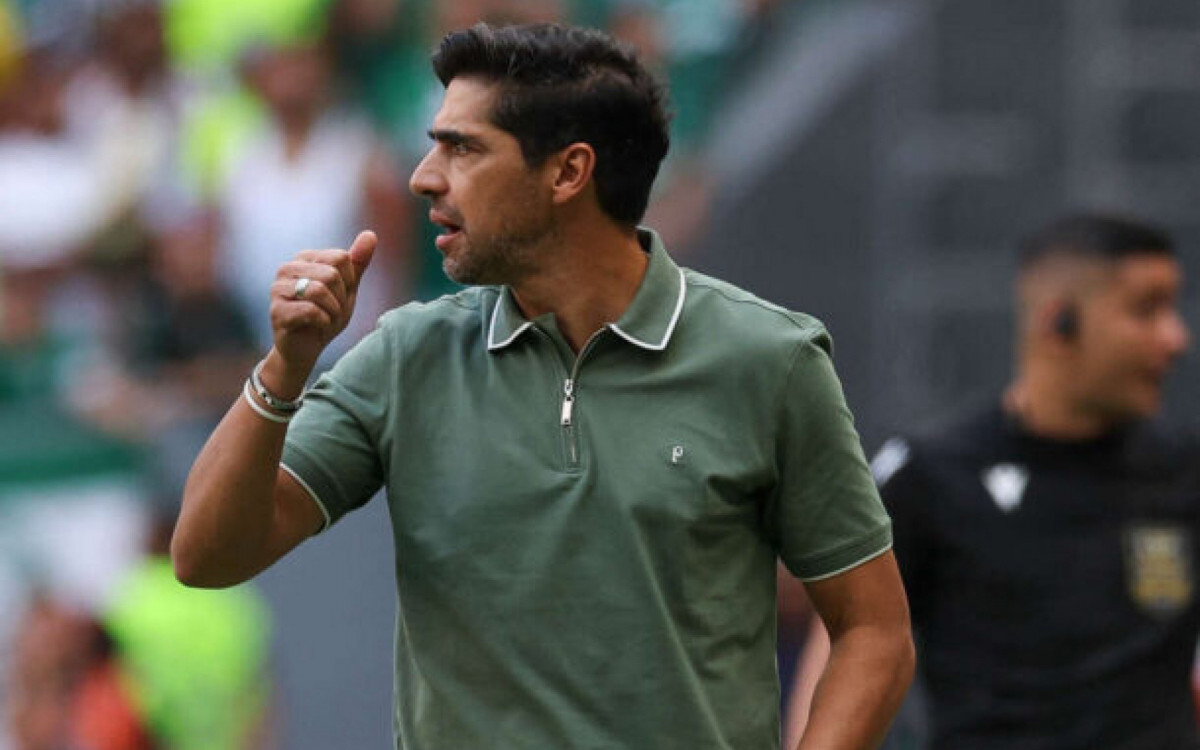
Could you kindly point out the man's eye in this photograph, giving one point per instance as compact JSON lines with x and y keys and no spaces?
{"x":460,"y":149}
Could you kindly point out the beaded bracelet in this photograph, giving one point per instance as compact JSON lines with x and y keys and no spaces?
{"x":270,"y":399}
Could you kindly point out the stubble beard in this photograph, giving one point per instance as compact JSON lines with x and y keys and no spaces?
{"x":504,"y":258}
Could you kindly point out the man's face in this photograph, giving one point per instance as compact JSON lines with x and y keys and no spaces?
{"x":1130,"y":333}
{"x":495,"y":211}
{"x":294,"y":81}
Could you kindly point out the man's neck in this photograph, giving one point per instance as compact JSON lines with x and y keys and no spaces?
{"x":1048,"y":411}
{"x":589,"y":282}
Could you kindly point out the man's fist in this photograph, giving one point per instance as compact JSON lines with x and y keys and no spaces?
{"x":313,"y":297}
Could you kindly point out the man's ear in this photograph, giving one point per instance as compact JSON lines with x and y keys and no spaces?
{"x":573,"y":169}
{"x":1066,"y":322}
{"x":1059,"y":321}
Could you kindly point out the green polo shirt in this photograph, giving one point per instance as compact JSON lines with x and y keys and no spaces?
{"x":593,"y":571}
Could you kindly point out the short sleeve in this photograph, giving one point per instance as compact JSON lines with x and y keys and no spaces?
{"x":333,"y":445}
{"x":826,"y":513}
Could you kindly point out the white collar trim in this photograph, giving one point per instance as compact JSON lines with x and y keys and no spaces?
{"x":670,"y":328}
{"x":493,"y":345}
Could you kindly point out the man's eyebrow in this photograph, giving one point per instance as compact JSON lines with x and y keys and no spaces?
{"x":451,"y":137}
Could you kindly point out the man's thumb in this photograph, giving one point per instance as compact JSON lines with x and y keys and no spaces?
{"x":361,"y":252}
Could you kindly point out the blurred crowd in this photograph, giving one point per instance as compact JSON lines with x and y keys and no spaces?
{"x":158,"y":160}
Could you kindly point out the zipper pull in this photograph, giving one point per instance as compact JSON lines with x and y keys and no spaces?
{"x":568,"y":404}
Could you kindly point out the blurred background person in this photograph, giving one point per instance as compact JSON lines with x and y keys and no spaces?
{"x":380,"y":54}
{"x":193,"y":666}
{"x":162,"y":667}
{"x":50,"y":185}
{"x":1048,"y":538}
{"x":124,"y":104}
{"x":311,"y":170}
{"x":64,"y":690}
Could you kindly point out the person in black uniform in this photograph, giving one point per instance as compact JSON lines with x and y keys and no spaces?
{"x":1049,"y":540}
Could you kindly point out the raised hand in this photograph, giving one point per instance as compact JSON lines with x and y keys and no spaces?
{"x":312,"y":300}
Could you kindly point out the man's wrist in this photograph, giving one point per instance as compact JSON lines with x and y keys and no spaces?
{"x":285,"y":382}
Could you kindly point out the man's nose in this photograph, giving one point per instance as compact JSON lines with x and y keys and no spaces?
{"x":427,"y":179}
{"x":1175,"y":334}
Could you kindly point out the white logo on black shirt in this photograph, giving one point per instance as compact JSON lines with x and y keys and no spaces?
{"x":890,"y":459}
{"x":1006,"y":483}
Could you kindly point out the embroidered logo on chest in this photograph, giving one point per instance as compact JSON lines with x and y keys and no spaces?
{"x":1006,"y":484}
{"x":1159,"y":565}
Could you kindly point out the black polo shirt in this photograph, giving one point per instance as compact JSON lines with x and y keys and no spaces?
{"x":1052,"y":584}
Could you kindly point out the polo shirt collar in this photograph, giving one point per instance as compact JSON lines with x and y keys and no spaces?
{"x":648,"y":322}
{"x":507,"y":321}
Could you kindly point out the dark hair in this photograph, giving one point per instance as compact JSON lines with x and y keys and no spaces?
{"x":561,"y":85}
{"x":1096,"y":236}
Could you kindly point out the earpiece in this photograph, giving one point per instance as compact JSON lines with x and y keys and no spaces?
{"x":1066,"y":323}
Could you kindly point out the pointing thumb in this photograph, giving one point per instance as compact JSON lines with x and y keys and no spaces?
{"x":361,"y":252}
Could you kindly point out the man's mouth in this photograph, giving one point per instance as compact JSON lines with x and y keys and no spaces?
{"x":451,"y":229}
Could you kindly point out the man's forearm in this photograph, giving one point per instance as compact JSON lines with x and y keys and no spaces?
{"x":237,"y":516}
{"x":234,"y":522}
{"x":868,"y":673}
{"x":224,"y":526}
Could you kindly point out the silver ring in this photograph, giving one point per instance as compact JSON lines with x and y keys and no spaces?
{"x":301,"y":287}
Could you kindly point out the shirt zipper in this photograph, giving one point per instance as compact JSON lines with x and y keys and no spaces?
{"x":568,"y":409}
{"x":567,"y":415}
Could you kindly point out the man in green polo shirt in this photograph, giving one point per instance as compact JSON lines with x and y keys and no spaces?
{"x":593,"y":458}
